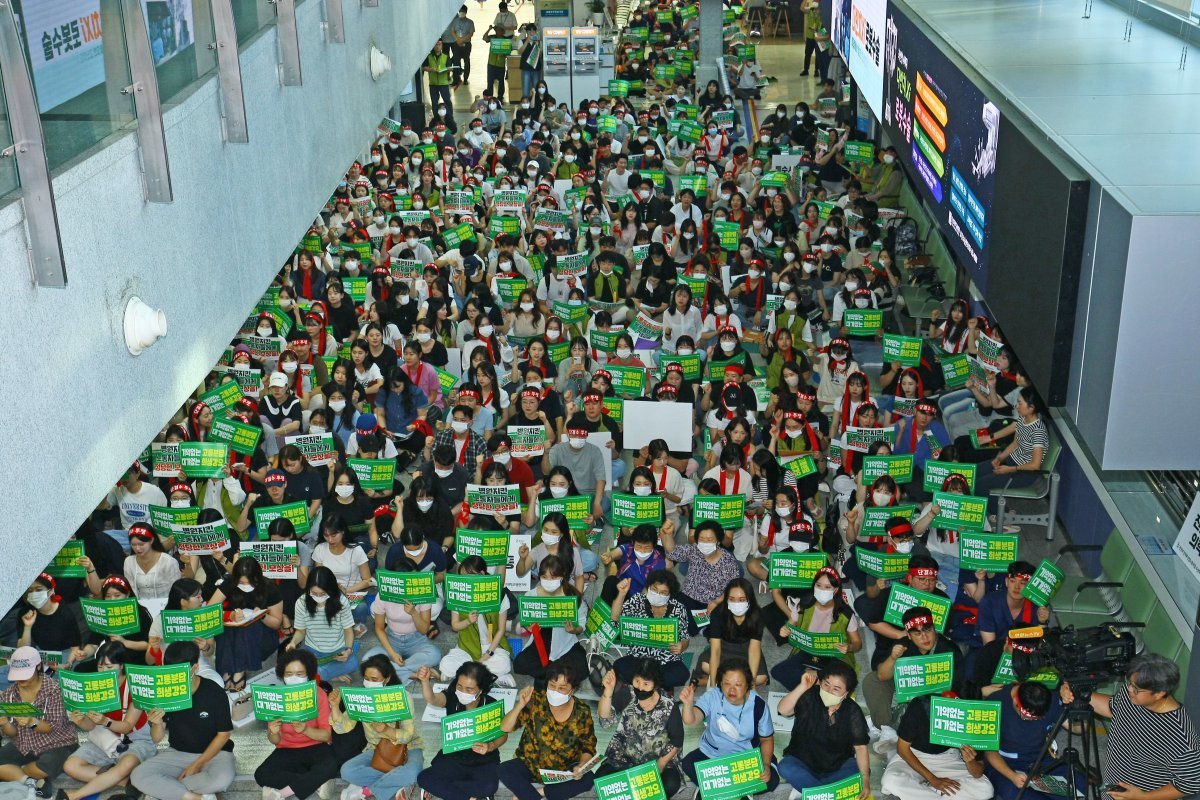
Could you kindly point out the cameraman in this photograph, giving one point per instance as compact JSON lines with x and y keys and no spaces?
{"x":1150,"y":737}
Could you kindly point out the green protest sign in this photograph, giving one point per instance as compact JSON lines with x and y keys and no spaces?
{"x":457,"y":235}
{"x":615,"y":408}
{"x":418,"y":588}
{"x":905,"y":350}
{"x":599,"y":624}
{"x":373,"y":473}
{"x":618,"y":88}
{"x":817,"y":644}
{"x":575,"y":508}
{"x":20,"y":710}
{"x":903,"y":597}
{"x":728,"y":510}
{"x":240,"y":437}
{"x":790,"y":570}
{"x":356,"y":286}
{"x":899,"y":467}
{"x":604,"y":341}
{"x":728,"y":234}
{"x":467,"y":593}
{"x":861,"y":439}
{"x":1005,"y":674}
{"x":461,"y":730}
{"x":1043,"y":583}
{"x":888,"y":566}
{"x":875,"y":517}
{"x":959,"y":512}
{"x":501,"y":46}
{"x":297,"y":512}
{"x":569,"y":314}
{"x":110,"y":617}
{"x":548,"y":612}
{"x":639,"y":783}
{"x":491,"y":546}
{"x":509,"y":289}
{"x":66,"y":563}
{"x":648,"y":631}
{"x":277,"y":559}
{"x":731,"y":777}
{"x":955,"y":370}
{"x":644,"y":327}
{"x":168,"y":521}
{"x":690,"y":364}
{"x":494,"y":499}
{"x":715,"y":370}
{"x":628,"y":381}
{"x":447,"y":380}
{"x":989,"y":552}
{"x":697,"y":183}
{"x":206,"y":539}
{"x":317,"y":448}
{"x":920,"y":675}
{"x":846,"y":789}
{"x":859,"y":153}
{"x":203,"y":459}
{"x":406,"y":268}
{"x":168,"y":688}
{"x":954,"y":723}
{"x":527,"y":440}
{"x":199,"y":623}
{"x":801,"y":466}
{"x":224,"y":396}
{"x":377,"y":704}
{"x":297,"y":703}
{"x":90,"y":691}
{"x":631,"y":510}
{"x":936,"y":473}
{"x":249,"y":380}
{"x":165,"y":457}
{"x":504,"y":225}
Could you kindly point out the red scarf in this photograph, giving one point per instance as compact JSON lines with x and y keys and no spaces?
{"x":737,"y":481}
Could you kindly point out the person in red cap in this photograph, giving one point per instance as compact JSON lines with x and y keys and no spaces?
{"x":37,"y":747}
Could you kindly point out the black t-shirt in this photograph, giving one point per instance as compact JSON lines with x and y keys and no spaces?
{"x":721,"y":625}
{"x":62,"y":629}
{"x":437,"y":356}
{"x":914,"y":727}
{"x":236,"y":598}
{"x":277,"y":415}
{"x":453,"y":487}
{"x":822,"y":742}
{"x":193,"y":729}
{"x":871,"y":610}
{"x":358,"y":511}
{"x":943,"y":645}
{"x":305,"y":485}
{"x":468,"y":757}
{"x":605,"y":423}
{"x":386,"y":360}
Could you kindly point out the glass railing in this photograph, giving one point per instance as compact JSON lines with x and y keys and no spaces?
{"x":8,"y":166}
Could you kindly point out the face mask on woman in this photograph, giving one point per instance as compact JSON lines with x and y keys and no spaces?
{"x":263,"y":330}
{"x":344,"y":490}
{"x":293,"y":680}
{"x":829,"y":699}
{"x":824,"y":596}
{"x":728,"y":346}
{"x":425,"y":505}
{"x":320,"y":599}
{"x":881,"y":498}
{"x":642,"y":491}
{"x":739,"y":609}
{"x":337,"y":406}
{"x":180,"y":503}
{"x":556,"y":699}
{"x":551,"y":584}
{"x":559,"y":491}
{"x":38,"y":599}
{"x":463,"y":697}
{"x":657,"y":599}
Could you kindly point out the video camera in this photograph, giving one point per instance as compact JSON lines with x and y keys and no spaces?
{"x":1084,"y":658}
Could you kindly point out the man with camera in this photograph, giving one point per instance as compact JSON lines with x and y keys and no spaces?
{"x":1153,"y":749}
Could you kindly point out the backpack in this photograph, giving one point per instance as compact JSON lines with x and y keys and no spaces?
{"x":903,"y":239}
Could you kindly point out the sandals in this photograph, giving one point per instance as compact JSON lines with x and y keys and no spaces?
{"x":236,"y":684}
{"x":434,"y":631}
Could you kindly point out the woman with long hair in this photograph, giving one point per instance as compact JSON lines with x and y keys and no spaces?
{"x":324,"y":627}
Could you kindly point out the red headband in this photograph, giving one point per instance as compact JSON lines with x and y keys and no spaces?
{"x":901,"y":529}
{"x":47,"y":579}
{"x":918,"y":621}
{"x":142,"y":531}
{"x":922,"y":572}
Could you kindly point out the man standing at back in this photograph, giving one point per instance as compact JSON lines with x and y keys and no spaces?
{"x":458,"y":38}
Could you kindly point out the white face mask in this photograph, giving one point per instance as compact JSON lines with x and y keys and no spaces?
{"x":464,"y":698}
{"x":289,"y":366}
{"x":791,"y":380}
{"x":551,"y":584}
{"x":372,"y":684}
{"x":889,"y":158}
{"x":824,"y":596}
{"x":293,"y":680}
{"x":180,"y":503}
{"x":551,"y":538}
{"x":739,"y":609}
{"x":789,"y":305}
{"x":425,"y":505}
{"x":904,"y":547}
{"x":851,"y":286}
{"x":344,"y":490}
{"x":337,"y":406}
{"x":559,"y":491}
{"x":459,"y":426}
{"x":556,"y":699}
{"x":316,"y":428}
{"x":809,"y":267}
{"x":264,"y":330}
{"x":553,"y":335}
{"x":577,"y":442}
{"x":826,"y":248}
{"x":642,"y":491}
{"x":881,"y":498}
{"x":720,"y":309}
{"x":320,"y":599}
{"x":443,"y":473}
{"x":245,"y":587}
{"x":624,"y":352}
{"x":502,"y":458}
{"x":486,"y":330}
{"x":685,"y":351}
{"x":706,"y":548}
{"x":728,"y":346}
{"x":38,"y":599}
{"x":527,"y":306}
{"x":689,"y":235}
{"x":656,"y":599}
{"x":784,"y":286}
{"x":861,"y":302}
{"x":783,"y":511}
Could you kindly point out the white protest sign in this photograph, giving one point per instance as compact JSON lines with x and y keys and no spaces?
{"x":646,"y":420}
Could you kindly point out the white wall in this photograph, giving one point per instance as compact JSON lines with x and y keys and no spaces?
{"x":77,"y":408}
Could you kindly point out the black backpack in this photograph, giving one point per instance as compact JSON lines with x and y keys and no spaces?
{"x":903,"y":239}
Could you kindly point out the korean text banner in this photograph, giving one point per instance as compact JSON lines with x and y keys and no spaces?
{"x":947,"y":134}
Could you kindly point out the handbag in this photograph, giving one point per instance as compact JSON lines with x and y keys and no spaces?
{"x":106,"y":740}
{"x":389,"y":755}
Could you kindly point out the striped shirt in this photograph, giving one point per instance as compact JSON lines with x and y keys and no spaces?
{"x":1030,"y":435}
{"x":320,"y":635}
{"x":1149,"y":750}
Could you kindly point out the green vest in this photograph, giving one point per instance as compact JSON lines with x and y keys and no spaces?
{"x":838,"y":625}
{"x":439,"y":74}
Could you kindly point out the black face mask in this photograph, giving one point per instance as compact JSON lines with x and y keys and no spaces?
{"x":642,"y":694}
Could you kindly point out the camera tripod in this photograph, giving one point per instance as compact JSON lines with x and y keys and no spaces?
{"x":1077,"y":713}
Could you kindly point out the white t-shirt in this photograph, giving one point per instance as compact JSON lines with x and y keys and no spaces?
{"x":344,"y":566}
{"x":135,"y":507}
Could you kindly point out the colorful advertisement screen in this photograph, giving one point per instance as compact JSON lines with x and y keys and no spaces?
{"x":947,"y":133}
{"x":857,"y":32}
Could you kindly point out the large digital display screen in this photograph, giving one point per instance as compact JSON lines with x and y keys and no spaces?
{"x":947,"y":133}
{"x":857,"y":33}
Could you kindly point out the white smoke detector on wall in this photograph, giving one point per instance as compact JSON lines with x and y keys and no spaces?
{"x":143,"y":325}
{"x":380,"y":63}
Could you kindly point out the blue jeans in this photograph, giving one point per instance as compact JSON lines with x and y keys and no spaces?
{"x":416,"y":650}
{"x":588,"y":560}
{"x":362,"y":611}
{"x":383,"y":785}
{"x":334,"y":669}
{"x":798,"y":774}
{"x":618,"y":472}
{"x":529,"y":79}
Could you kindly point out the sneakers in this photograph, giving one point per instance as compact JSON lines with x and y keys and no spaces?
{"x":271,"y":794}
{"x":795,"y":794}
{"x":507,"y":680}
{"x":352,"y":792}
{"x":326,"y":792}
{"x":886,"y":742}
